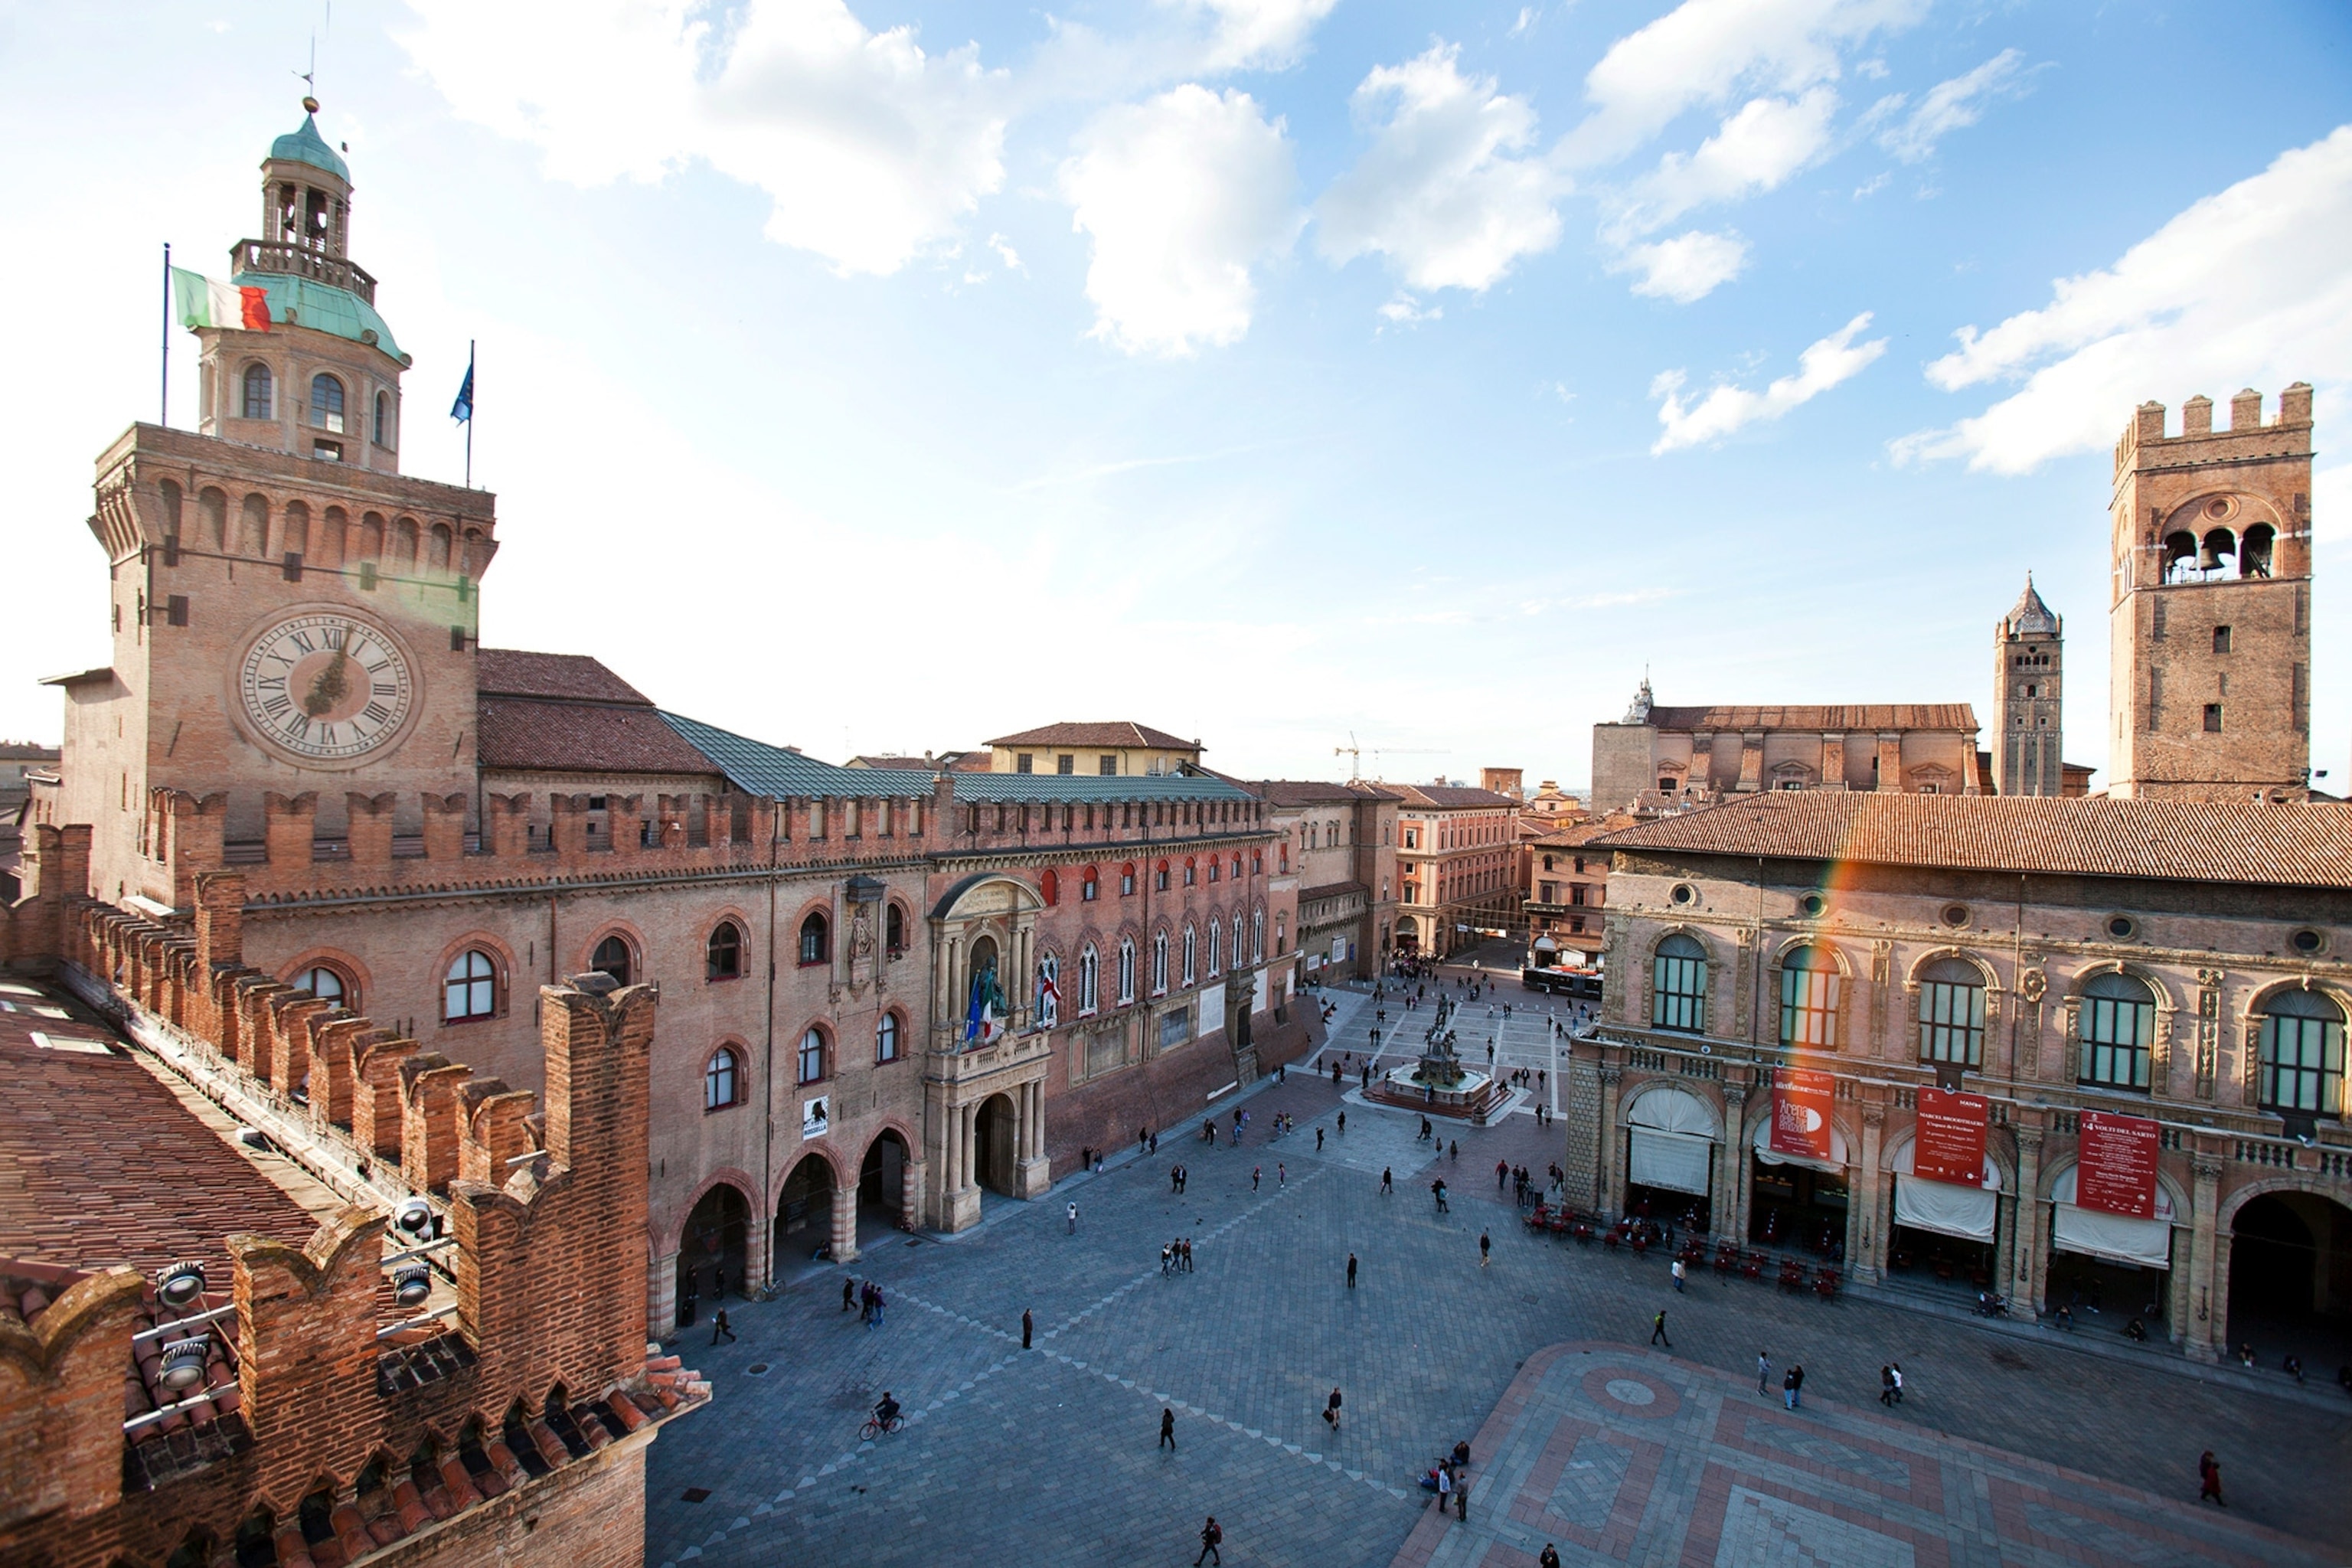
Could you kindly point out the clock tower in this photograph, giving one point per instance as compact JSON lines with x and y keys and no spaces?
{"x":293,"y":619}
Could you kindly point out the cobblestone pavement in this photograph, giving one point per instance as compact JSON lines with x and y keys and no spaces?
{"x":1048,"y":1456}
{"x":1609,"y":1453}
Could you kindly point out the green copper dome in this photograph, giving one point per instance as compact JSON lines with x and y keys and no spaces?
{"x":307,"y":146}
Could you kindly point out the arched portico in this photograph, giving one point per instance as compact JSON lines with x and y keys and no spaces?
{"x":986,"y":1060}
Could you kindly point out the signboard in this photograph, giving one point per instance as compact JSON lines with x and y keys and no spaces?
{"x":2116,"y":1170}
{"x":1950,"y":1146}
{"x":1801,"y":1112}
{"x":816,"y":1116}
{"x":1339,"y":950}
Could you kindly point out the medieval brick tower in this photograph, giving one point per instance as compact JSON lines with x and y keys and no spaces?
{"x":2209,"y":623}
{"x":2028,"y":692}
{"x":293,"y":620}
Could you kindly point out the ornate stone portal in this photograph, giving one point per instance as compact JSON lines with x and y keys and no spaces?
{"x":984,"y":1073}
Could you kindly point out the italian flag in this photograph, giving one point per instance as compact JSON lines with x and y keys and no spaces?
{"x":205,"y":303}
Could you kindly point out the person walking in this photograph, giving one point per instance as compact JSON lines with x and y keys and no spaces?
{"x":1550,"y":1558}
{"x":1168,"y":1430}
{"x":1210,"y":1537}
{"x":2209,"y":1480}
{"x":1028,"y":1327}
{"x":1318,"y":1140}
{"x":1256,"y":1171}
{"x":1461,"y":1497}
{"x":1795,"y":1385}
{"x":1886,"y":1386}
{"x":1501,"y":1174}
{"x":1763,"y":1370}
{"x":1895,"y":1370}
{"x":1281,"y":1175}
{"x":879,"y":1304}
{"x":1351,"y":1271}
{"x":1188,"y":1254}
{"x":1073,"y":1220}
{"x":1658,"y":1330}
{"x":1485,"y":1249}
{"x":1457,"y":1150}
{"x":719,"y":1329}
{"x":1331,"y":1411}
{"x":849,"y":1293}
{"x":1167,"y":1257}
{"x":1438,"y":1187}
{"x":1678,"y":1276}
{"x":1343,"y":1124}
{"x":1387,"y":1182}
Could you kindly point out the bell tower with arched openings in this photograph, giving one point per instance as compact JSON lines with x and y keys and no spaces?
{"x":2209,"y":616}
{"x":2028,"y":699}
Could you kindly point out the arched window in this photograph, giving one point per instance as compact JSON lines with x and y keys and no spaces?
{"x":1191,"y":954}
{"x":1127,"y":880}
{"x":1089,"y":980}
{"x":1126,"y":971}
{"x":815,"y":933}
{"x":327,"y":986}
{"x":1257,"y":936}
{"x":1952,"y":1013}
{"x":1089,"y":889}
{"x":722,"y":1080}
{"x":1158,"y":962}
{"x":1237,"y":867}
{"x":1809,"y":1000}
{"x":1049,"y":888}
{"x":812,"y":1056}
{"x":471,"y":990}
{"x":327,"y":404}
{"x":1160,"y":879}
{"x":1678,"y":990}
{"x":894,"y":930}
{"x":1049,"y":991}
{"x":722,"y":956}
{"x":2118,"y":1021}
{"x":1214,"y":867}
{"x":257,"y":392}
{"x":1216,"y":944}
{"x":886,"y":1038}
{"x":384,"y":419}
{"x":612,"y":957}
{"x":2303,"y":1053}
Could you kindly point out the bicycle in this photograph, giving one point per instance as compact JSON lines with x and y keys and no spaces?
{"x":874,"y":1428}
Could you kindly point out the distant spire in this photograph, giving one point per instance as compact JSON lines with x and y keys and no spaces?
{"x":1639,"y":713}
{"x":2030,"y":616}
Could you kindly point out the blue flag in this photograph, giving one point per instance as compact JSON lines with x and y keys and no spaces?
{"x":462,"y":411}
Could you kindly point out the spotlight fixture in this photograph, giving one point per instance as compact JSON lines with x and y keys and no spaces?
{"x":413,"y":1215}
{"x":184,"y":1364}
{"x":411,"y":1283}
{"x":180,"y":1284}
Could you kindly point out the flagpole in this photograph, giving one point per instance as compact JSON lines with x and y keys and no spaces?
{"x":165,"y":398}
{"x":469,"y":415}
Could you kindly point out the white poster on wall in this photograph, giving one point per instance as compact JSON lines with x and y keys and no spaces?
{"x":816,"y":1116}
{"x":1212,"y":1008}
{"x":1258,"y":993}
{"x":1339,"y":950}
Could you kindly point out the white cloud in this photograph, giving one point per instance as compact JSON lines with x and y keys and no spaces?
{"x":1526,"y":24}
{"x":1953,"y":105}
{"x":872,"y":149}
{"x":1754,"y":150}
{"x":1265,"y":34}
{"x":2247,"y":287}
{"x":1705,"y":51}
{"x":1182,"y":195}
{"x":1726,"y":408}
{"x":1407,"y":311}
{"x":1439,"y":192}
{"x":1005,"y":253}
{"x":1687,"y":268}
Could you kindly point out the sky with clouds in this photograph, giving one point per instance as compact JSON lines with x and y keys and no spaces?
{"x":887,"y":375}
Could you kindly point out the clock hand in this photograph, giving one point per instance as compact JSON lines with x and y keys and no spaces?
{"x":330,"y":687}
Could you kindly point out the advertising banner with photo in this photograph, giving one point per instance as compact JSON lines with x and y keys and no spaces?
{"x":2117,"y":1164}
{"x":816,"y":1116}
{"x":1951,"y":1137}
{"x":1801,"y":1112}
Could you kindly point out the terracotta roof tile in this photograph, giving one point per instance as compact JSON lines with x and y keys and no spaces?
{"x":574,"y":677}
{"x":1820,"y":716}
{"x":2203,"y":841}
{"x":1113,"y":733}
{"x":1451,"y":797}
{"x":581,"y":737}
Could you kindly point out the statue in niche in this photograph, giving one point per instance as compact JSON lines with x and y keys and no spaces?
{"x":861,"y":935}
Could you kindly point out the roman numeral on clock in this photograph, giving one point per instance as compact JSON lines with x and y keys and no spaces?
{"x":303,"y":640}
{"x":387,"y":689}
{"x":376,"y":712}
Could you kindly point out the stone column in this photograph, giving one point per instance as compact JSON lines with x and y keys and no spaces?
{"x":910,"y":1192}
{"x":1611,"y":1196}
{"x":951,"y":1154}
{"x":1735,"y":1143}
{"x":1865,"y":1206}
{"x":844,"y":1224}
{"x":661,"y":1296}
{"x":970,"y":1176}
{"x":2209,"y":1284}
{"x":2031,"y":1245}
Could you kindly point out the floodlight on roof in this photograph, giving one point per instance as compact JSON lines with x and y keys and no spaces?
{"x":180,"y":1284}
{"x":183,"y":1363}
{"x":411,"y":1284}
{"x":413,"y":1215}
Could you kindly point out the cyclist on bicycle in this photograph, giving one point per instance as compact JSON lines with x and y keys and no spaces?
{"x":885,"y":1411}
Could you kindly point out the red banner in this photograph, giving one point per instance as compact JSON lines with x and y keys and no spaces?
{"x":2115,"y":1169}
{"x":1951,"y":1146}
{"x":1801,"y":1112}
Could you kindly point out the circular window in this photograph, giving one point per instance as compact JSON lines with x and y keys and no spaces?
{"x":2122,"y":927}
{"x":1956,"y":914}
{"x":2308,"y":940}
{"x":2220,"y":506}
{"x":1684,"y":893}
{"x":1812,"y":903}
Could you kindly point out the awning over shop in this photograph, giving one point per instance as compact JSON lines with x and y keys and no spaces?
{"x":1835,"y":1165}
{"x":1945,"y":1207}
{"x":1672,"y":1136}
{"x":2113,"y":1237}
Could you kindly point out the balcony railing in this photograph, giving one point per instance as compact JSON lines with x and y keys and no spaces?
{"x":302,"y":261}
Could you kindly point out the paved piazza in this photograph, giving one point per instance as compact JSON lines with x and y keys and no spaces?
{"x":2009,"y":1448}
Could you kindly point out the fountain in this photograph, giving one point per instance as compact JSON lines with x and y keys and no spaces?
{"x":1438,"y":1085}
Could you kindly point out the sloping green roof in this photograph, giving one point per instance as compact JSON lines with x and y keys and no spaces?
{"x":757,"y":768}
{"x":307,"y":146}
{"x":321,"y":308}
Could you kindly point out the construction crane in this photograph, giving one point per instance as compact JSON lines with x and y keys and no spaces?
{"x":1355,"y":755}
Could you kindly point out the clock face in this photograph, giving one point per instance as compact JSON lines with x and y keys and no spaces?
{"x":326,"y":686}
